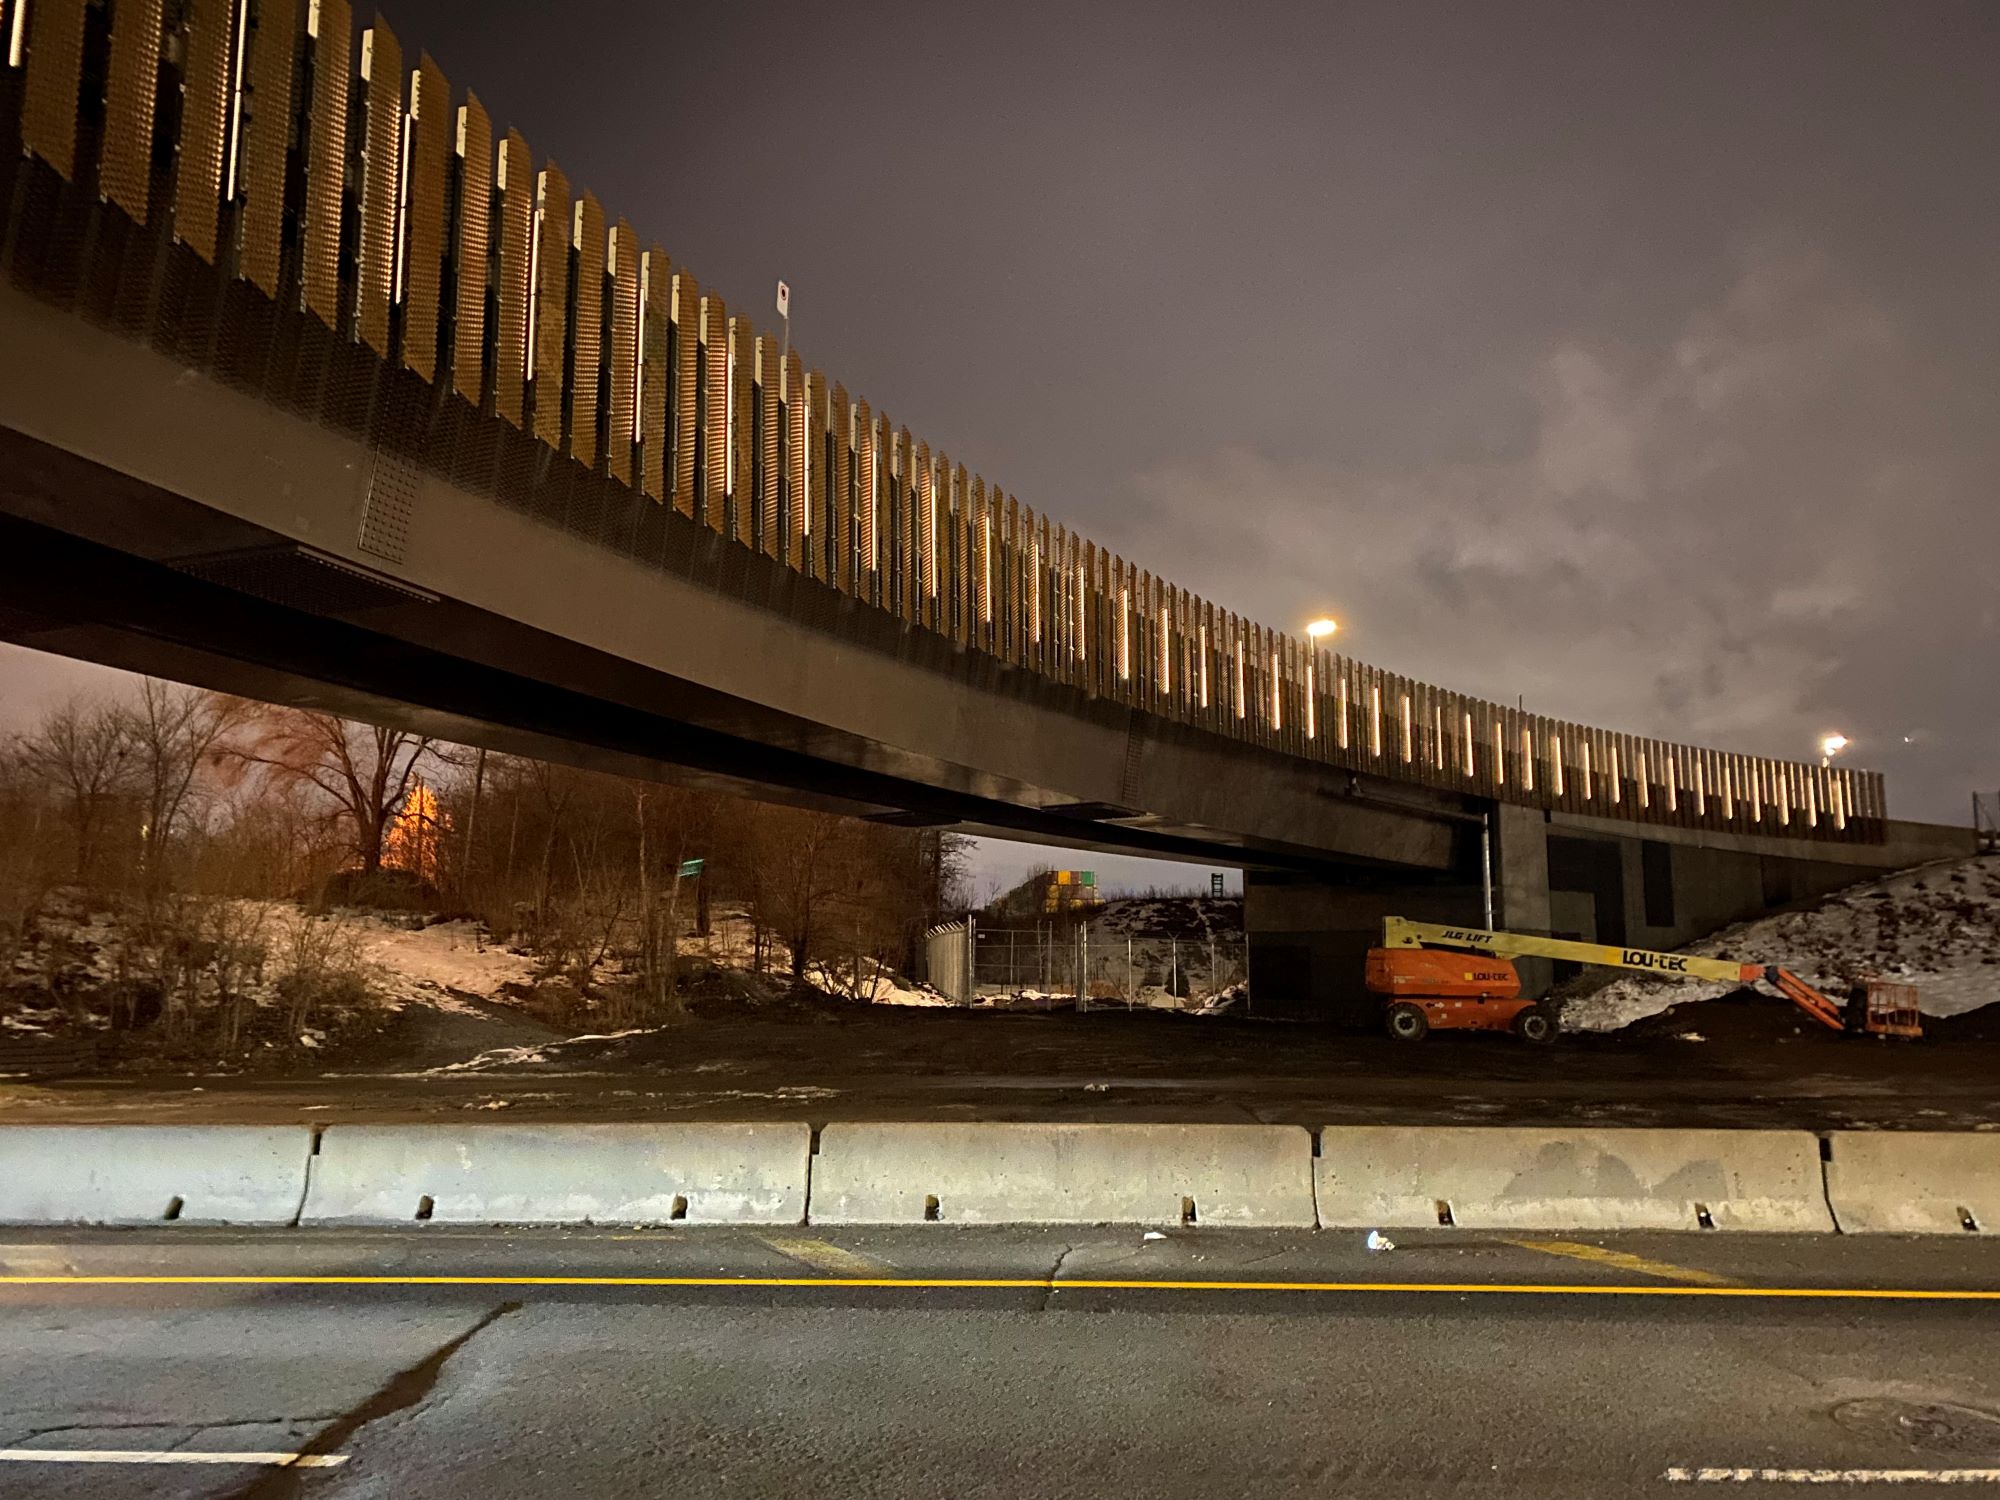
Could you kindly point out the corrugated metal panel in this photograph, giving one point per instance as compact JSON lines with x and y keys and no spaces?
{"x":686,"y":311}
{"x":267,"y":133}
{"x":514,"y":302}
{"x":431,"y":147}
{"x":55,"y":66}
{"x":622,"y":427}
{"x":587,"y":240}
{"x":125,"y":165}
{"x":549,"y":326}
{"x":471,"y":237}
{"x":381,"y":184}
{"x":332,"y":28}
{"x":205,"y":89}
{"x":655,"y":379}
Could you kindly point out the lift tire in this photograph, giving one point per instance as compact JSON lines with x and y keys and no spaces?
{"x":1407,"y":1022}
{"x":1536,"y":1026}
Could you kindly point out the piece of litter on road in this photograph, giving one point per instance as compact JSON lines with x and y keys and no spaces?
{"x":1691,"y":1036}
{"x":1377,"y":1240}
{"x":1097,"y":1088}
{"x":1153,"y":1234}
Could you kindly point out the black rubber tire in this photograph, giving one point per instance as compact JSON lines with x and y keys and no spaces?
{"x":1406,"y":1022}
{"x":1535,"y":1026}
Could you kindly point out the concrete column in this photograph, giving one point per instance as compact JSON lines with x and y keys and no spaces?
{"x":1521,"y":884}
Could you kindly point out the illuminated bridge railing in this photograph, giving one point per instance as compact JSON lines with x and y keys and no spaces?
{"x":240,"y":183}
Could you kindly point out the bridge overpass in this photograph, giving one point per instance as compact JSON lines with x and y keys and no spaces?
{"x":320,"y":389}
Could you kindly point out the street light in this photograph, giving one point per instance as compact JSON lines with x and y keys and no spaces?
{"x":1830,"y":746}
{"x":1321,"y":628}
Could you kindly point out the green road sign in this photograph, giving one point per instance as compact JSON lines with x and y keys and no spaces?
{"x":691,"y":868}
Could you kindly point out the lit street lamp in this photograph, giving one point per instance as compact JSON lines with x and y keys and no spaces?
{"x":1321,"y":628}
{"x":1830,"y":746}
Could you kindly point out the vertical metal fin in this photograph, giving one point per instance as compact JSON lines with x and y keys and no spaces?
{"x":840,"y":480}
{"x":55,"y":69}
{"x":551,"y":316}
{"x":381,"y":184}
{"x":685,"y":308}
{"x":513,"y":176}
{"x":715,"y":413}
{"x":770,"y":532}
{"x":326,"y":171}
{"x":621,"y":427}
{"x":431,"y":127}
{"x":743,"y":388}
{"x":656,"y":380}
{"x":267,"y":133}
{"x":205,"y":88}
{"x":469,"y":251}
{"x":587,"y":240}
{"x":125,"y":167}
{"x":797,"y":470}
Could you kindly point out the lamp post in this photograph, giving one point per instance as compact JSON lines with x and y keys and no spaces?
{"x":1831,"y":745}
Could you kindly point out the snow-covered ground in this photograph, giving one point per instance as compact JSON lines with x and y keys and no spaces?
{"x":1936,"y":927}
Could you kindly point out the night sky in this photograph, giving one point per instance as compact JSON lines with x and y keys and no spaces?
{"x":1642,"y":361}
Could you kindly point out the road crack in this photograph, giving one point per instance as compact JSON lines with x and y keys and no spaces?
{"x":403,"y":1391}
{"x":1049,"y":1281}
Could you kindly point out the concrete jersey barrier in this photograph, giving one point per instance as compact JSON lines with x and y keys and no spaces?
{"x":560,"y":1174}
{"x":151,"y":1174}
{"x":1914,"y":1182}
{"x":1479,"y":1177}
{"x":1063,"y":1174}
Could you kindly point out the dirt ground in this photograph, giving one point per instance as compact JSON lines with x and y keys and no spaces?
{"x":1757,"y":1062}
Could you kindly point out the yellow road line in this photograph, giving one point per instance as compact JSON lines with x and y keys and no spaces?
{"x":822,"y":1256}
{"x":1618,"y":1260}
{"x":1041,"y":1283}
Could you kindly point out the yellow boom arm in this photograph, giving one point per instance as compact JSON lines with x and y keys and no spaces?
{"x":1400,"y":932}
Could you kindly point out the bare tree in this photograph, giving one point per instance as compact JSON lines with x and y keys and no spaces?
{"x":83,"y":752}
{"x":174,"y":732}
{"x":365,"y":769}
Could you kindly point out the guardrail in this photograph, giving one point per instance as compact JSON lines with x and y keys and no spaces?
{"x":345,"y":235}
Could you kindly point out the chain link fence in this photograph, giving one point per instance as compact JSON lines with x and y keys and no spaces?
{"x":1048,"y":965}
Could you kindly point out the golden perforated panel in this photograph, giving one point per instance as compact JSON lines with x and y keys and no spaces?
{"x":514,"y":302}
{"x":331,"y":25}
{"x":124,"y":169}
{"x":771,"y":534}
{"x":621,"y":426}
{"x":381,"y":184}
{"x":714,"y":485}
{"x":743,"y":401}
{"x":267,"y":129}
{"x":470,"y":236}
{"x":686,"y":311}
{"x":431,"y":148}
{"x":206,"y":83}
{"x":797,"y":470}
{"x":55,"y":63}
{"x":551,"y":315}
{"x":867,"y":495}
{"x":837,"y":483}
{"x":588,"y":241}
{"x":655,"y":378}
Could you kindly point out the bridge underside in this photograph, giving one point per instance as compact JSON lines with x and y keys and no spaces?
{"x":498,"y":629}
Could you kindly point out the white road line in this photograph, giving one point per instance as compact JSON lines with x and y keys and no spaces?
{"x":1832,"y":1476}
{"x":168,"y":1456}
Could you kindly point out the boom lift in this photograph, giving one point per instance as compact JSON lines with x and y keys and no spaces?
{"x":1475,"y":985}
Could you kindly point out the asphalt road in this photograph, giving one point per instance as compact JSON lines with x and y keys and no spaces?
{"x":728,"y":1363}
